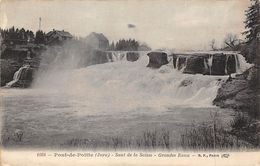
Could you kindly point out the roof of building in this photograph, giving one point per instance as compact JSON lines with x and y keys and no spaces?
{"x":61,"y":33}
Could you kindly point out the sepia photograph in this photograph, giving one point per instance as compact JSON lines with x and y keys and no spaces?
{"x":153,"y":79}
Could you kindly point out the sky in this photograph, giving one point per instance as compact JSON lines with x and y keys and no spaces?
{"x":175,"y":24}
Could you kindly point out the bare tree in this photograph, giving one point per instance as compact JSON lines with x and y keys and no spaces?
{"x":231,"y":40}
{"x":213,"y":45}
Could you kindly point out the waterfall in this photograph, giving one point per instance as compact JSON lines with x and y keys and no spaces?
{"x":118,"y":84}
{"x":205,"y":64}
{"x":177,"y":63}
{"x":226,"y":66}
{"x":17,"y":75}
{"x":185,"y":64}
{"x":237,"y":63}
{"x":122,"y":82}
{"x":210,"y":61}
{"x":118,"y":56}
{"x":241,"y":64}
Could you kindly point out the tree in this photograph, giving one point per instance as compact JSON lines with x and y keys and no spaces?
{"x":252,"y":25}
{"x":213,"y":44}
{"x":252,"y":22}
{"x":127,"y":45}
{"x":39,"y":37}
{"x":231,"y":40}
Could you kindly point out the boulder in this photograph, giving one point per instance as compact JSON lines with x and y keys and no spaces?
{"x":199,"y":63}
{"x":185,"y":83}
{"x":132,"y":56}
{"x":231,"y":64}
{"x":218,"y":64}
{"x":174,"y":60}
{"x":195,"y":65}
{"x":157,"y":59}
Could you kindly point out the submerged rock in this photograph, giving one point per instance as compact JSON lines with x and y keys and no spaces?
{"x":185,"y":83}
{"x":157,"y":59}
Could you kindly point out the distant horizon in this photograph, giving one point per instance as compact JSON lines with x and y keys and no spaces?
{"x":179,"y":25}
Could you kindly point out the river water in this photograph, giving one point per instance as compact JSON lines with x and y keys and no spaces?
{"x":118,"y":99}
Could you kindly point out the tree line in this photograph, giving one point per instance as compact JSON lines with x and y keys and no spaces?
{"x":21,"y":36}
{"x":128,"y":45}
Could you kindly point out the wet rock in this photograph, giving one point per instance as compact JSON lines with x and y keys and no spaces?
{"x":174,"y":60}
{"x":132,"y":56}
{"x":157,"y":59}
{"x":199,"y":63}
{"x":241,"y":93}
{"x":181,"y":62}
{"x":195,"y":65}
{"x":231,"y":64}
{"x":218,"y":64}
{"x":185,"y":83}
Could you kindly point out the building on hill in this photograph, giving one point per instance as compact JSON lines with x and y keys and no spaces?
{"x":56,"y":37}
{"x":97,"y":41}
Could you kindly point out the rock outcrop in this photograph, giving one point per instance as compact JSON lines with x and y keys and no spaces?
{"x":205,"y":63}
{"x":195,"y":65}
{"x":241,"y":92}
{"x":132,"y":56}
{"x":157,"y":59}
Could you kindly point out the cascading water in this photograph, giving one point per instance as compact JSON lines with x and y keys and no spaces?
{"x":210,"y":61}
{"x":237,"y":63}
{"x":117,"y":56}
{"x":17,"y":76}
{"x":96,"y":99}
{"x":120,"y":82}
{"x":185,"y":64}
{"x":177,"y":63}
{"x":110,"y":82}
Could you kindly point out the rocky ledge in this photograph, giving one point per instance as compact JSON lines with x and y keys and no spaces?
{"x":241,"y":92}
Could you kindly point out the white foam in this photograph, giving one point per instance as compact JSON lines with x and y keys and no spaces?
{"x":130,"y":85}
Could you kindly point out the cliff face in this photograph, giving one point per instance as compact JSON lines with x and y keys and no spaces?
{"x":241,"y":93}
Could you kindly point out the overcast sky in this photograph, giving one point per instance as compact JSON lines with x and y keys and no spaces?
{"x":178,"y":24}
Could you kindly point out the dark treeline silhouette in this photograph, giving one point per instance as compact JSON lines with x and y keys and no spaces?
{"x":125,"y":45}
{"x":13,"y":36}
{"x":252,"y":25}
